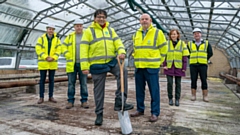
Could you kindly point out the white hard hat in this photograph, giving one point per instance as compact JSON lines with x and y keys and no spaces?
{"x":197,"y":30}
{"x":78,"y":21}
{"x":51,"y":25}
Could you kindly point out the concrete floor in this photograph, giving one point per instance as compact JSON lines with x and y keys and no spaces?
{"x":20,"y":115}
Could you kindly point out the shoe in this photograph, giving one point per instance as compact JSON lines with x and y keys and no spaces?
{"x":85,"y":105}
{"x":40,"y":100}
{"x":69,"y":105}
{"x":51,"y":99}
{"x":99,"y":119}
{"x":171,"y":102}
{"x":177,"y":102}
{"x":153,"y":118}
{"x":136,"y":114}
{"x":118,"y":105}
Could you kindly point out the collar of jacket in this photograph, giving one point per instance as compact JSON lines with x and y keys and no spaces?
{"x":54,"y":35}
{"x":202,"y":41}
{"x":74,"y":32}
{"x":97,"y":26}
{"x":150,"y":27}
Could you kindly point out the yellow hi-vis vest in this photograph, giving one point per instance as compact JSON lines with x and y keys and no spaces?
{"x":175,"y":54}
{"x":200,"y":55}
{"x":99,"y":45}
{"x":41,"y":49}
{"x":69,"y":50}
{"x":150,"y":51}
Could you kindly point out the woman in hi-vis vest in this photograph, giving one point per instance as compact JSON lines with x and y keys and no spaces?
{"x":175,"y":65}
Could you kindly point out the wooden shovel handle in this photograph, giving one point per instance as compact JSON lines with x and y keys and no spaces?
{"x":121,"y":66}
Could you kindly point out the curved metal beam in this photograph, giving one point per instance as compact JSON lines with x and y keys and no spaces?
{"x":133,"y":3}
{"x":2,"y":1}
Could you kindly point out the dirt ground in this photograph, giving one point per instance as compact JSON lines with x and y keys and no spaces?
{"x":21,"y":115}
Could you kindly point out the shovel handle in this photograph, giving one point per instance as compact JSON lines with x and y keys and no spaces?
{"x":121,"y":66}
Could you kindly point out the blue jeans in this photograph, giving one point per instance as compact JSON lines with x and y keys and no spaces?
{"x":72,"y":81}
{"x":43,"y":74}
{"x":151,"y":77}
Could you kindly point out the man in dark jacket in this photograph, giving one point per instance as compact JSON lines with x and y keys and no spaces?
{"x":200,"y":52}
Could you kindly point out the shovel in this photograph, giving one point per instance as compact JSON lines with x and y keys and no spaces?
{"x":123,"y":116}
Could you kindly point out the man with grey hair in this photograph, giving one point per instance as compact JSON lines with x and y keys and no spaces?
{"x":71,"y":51}
{"x":150,"y":49}
{"x":200,"y":52}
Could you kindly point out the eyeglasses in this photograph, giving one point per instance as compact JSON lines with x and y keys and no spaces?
{"x":99,"y":17}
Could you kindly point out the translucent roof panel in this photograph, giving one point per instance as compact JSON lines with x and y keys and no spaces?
{"x":218,"y":19}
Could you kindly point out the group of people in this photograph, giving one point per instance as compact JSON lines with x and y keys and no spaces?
{"x":94,"y":51}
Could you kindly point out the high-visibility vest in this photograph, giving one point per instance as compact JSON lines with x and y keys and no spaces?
{"x":200,"y":55}
{"x":99,"y":45}
{"x":69,"y":50}
{"x":41,"y":49}
{"x":149,"y":51}
{"x":175,"y":55}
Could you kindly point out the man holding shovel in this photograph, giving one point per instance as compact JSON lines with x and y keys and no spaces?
{"x":150,"y":49}
{"x":98,"y":55}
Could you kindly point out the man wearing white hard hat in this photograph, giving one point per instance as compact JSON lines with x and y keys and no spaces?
{"x":200,"y":52}
{"x":71,"y":50}
{"x":48,"y":49}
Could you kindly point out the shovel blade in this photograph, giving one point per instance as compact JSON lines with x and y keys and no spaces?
{"x":125,"y":122}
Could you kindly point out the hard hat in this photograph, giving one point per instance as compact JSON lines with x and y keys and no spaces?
{"x":197,"y":30}
{"x":78,"y":21}
{"x":51,"y":25}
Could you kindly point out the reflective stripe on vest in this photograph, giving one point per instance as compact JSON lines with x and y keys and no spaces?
{"x":147,"y":46}
{"x":200,"y":55}
{"x":95,"y":39}
{"x":154,"y":47}
{"x":174,"y":55}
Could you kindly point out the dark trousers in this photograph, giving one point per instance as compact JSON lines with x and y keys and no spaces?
{"x":151,"y":77}
{"x":177,"y":86}
{"x":202,"y":71}
{"x":43,"y":74}
{"x":99,"y":87}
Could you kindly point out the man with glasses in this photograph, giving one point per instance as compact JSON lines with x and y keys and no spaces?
{"x":99,"y":46}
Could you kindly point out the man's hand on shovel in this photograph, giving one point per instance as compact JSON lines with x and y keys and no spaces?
{"x":121,"y":56}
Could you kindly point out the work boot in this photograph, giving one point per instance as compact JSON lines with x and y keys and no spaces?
{"x":69,"y":105}
{"x":177,"y":102}
{"x":85,"y":105}
{"x":171,"y":102}
{"x":118,"y":105}
{"x":99,"y":119}
{"x":205,"y":94}
{"x":193,"y":98}
{"x":40,"y":100}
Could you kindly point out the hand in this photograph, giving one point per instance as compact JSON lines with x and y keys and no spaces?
{"x":121,"y":56}
{"x":50,"y":59}
{"x":165,"y":67}
{"x":85,"y":72}
{"x":183,"y":70}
